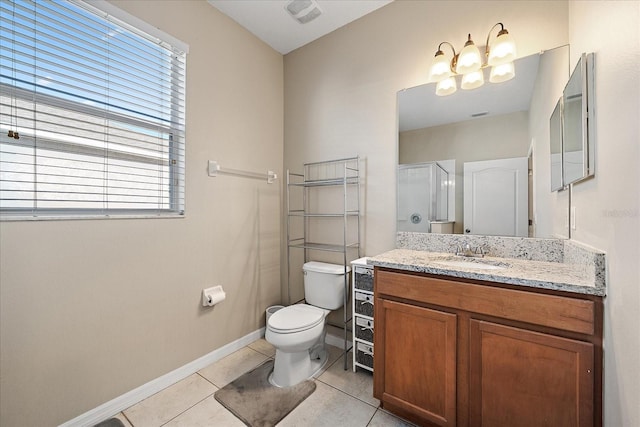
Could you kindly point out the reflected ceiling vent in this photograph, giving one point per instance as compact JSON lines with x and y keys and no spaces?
{"x":483,"y":113}
{"x":303,"y":11}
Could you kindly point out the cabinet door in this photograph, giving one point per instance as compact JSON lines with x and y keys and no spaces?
{"x":418,"y":358}
{"x":524,"y":378}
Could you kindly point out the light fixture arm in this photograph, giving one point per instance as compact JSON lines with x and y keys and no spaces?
{"x":486,"y":45}
{"x":454,"y":58}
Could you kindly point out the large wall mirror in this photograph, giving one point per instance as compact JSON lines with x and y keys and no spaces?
{"x":448,"y":144}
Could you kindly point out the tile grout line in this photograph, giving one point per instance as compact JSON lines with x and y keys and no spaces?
{"x":207,"y":380}
{"x":344,"y":392}
{"x":247,"y":347}
{"x":190,"y":407}
{"x":258,"y":351}
{"x":372,"y":417}
{"x":127,"y":418}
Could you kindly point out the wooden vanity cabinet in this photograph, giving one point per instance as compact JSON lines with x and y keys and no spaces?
{"x":524,"y":378}
{"x":420,"y":353}
{"x":456,"y":352}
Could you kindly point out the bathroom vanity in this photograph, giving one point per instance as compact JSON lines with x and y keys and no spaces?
{"x":488,"y":341}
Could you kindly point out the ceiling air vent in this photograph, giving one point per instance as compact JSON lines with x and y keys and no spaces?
{"x":303,"y":11}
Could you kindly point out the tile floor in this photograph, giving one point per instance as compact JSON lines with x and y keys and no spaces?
{"x":342,"y":398}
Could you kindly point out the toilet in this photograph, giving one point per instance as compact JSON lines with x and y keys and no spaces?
{"x":298,"y":331}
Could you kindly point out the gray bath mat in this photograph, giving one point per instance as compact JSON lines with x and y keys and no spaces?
{"x":111,"y":422}
{"x":258,"y":403}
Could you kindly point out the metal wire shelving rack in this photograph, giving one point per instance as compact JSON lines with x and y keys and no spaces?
{"x":341,"y":216}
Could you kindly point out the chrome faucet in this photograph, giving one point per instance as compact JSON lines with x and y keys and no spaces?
{"x":468,"y":252}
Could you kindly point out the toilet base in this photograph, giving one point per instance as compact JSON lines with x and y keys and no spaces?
{"x":292,"y":368}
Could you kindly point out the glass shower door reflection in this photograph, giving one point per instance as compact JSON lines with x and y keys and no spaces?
{"x":421,"y":198}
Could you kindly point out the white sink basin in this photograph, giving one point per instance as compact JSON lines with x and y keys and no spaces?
{"x":478,"y":265}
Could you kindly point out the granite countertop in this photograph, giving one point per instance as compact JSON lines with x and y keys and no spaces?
{"x":576,"y":278}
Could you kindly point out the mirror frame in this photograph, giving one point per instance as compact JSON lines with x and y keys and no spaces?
{"x":585,"y":73}
{"x":555,"y":148}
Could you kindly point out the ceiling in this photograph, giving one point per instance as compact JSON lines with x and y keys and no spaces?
{"x":419,"y":107}
{"x":269,"y":20}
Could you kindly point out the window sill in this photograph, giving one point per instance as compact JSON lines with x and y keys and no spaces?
{"x":13,"y":218}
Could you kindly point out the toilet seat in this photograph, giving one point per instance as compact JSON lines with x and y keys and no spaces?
{"x":295,"y":318}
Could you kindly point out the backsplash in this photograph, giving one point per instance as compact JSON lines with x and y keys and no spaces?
{"x":550,"y":250}
{"x":532,"y":249}
{"x":592,"y":259}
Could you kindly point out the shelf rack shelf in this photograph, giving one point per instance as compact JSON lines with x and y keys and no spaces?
{"x":343,"y":219}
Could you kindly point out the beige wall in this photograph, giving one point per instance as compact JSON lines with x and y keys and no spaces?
{"x":340,"y":91}
{"x":608,"y":206}
{"x":340,"y":99}
{"x":487,"y":138}
{"x":90,"y":310}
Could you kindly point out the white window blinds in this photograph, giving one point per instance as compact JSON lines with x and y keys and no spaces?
{"x":92,"y":114}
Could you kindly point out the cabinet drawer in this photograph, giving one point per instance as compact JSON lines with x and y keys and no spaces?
{"x":364,"y":329}
{"x":364,"y":303}
{"x":565,"y":313}
{"x":364,"y":354}
{"x":364,"y":278}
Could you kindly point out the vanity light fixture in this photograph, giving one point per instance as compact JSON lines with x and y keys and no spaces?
{"x":469,"y":63}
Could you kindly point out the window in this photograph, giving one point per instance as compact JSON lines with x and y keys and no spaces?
{"x":92,"y":114}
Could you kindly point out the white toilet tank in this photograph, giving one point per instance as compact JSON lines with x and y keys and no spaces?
{"x":324,"y":284}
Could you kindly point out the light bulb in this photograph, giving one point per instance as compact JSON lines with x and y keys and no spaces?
{"x":440,"y":69}
{"x":503,"y":50}
{"x":502,"y":73}
{"x":472,"y":80}
{"x":446,"y":87}
{"x":469,"y":59}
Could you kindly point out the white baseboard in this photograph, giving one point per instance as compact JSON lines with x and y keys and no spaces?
{"x":136,"y":395}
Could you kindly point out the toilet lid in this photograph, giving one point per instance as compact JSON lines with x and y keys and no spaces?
{"x":295,"y":318}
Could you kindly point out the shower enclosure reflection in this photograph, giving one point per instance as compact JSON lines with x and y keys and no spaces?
{"x":423,"y":197}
